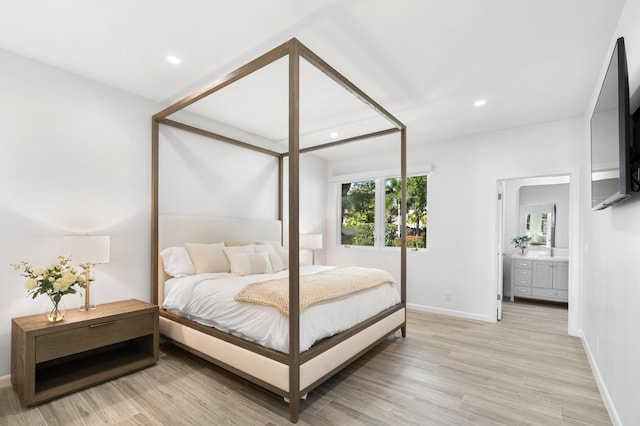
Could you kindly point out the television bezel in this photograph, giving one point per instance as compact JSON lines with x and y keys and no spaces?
{"x":624,"y":128}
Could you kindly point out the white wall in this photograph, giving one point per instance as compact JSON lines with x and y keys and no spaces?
{"x":201,"y":176}
{"x":74,"y":158}
{"x":610,"y":253}
{"x":460,"y":260}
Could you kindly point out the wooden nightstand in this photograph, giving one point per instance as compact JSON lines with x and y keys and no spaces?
{"x":52,"y":359}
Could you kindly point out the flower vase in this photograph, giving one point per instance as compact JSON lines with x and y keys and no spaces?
{"x":56,"y":310}
{"x":523,"y":250}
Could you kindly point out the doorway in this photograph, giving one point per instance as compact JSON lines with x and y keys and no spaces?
{"x":559,"y":190}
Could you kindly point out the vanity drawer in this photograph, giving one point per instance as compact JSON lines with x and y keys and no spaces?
{"x":550,"y":294}
{"x":522,"y":280}
{"x":521,"y":291}
{"x":522,"y":274}
{"x":518,"y":263}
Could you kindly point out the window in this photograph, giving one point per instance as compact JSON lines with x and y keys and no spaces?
{"x":358,"y":213}
{"x":359,"y":206}
{"x":416,"y":212}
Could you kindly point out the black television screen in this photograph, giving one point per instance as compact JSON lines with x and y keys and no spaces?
{"x":611,"y":135}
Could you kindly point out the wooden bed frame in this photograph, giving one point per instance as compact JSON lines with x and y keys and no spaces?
{"x":294,"y":374}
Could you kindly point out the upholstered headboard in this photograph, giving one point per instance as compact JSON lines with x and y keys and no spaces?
{"x":174,"y":231}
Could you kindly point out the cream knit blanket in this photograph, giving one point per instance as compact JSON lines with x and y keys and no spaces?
{"x":314,"y":288}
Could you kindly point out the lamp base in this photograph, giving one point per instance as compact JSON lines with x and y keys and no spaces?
{"x":87,"y":308}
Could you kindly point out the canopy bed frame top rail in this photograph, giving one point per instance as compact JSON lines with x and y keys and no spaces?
{"x":294,"y":50}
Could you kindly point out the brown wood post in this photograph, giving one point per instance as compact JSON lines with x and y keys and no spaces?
{"x":294,"y":230}
{"x":154,"y":209}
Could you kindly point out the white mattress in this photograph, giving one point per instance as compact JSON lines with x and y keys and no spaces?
{"x":209,"y":299}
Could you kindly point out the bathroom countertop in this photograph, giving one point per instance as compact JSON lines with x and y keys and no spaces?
{"x":541,"y":256}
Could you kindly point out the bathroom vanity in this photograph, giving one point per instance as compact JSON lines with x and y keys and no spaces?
{"x":540,"y":277}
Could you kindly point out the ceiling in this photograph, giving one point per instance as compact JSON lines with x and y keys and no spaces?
{"x":425,"y":61}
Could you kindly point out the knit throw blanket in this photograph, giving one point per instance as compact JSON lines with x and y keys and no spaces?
{"x":314,"y":288}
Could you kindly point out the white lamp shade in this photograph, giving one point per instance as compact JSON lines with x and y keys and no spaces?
{"x":88,"y":248}
{"x":311,"y":241}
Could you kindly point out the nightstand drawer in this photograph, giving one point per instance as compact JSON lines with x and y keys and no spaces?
{"x":92,"y":336}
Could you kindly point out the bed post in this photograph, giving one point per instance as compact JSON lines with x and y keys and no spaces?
{"x":154,"y":209}
{"x":294,"y":230}
{"x":403,"y":236}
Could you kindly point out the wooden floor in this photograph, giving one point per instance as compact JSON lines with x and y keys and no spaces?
{"x":448,"y":371}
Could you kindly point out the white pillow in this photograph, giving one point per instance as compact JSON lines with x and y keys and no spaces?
{"x":208,"y":257}
{"x":277,"y":263}
{"x":246,"y":264}
{"x":248,"y":249}
{"x":274,"y":244}
{"x":278,"y":257}
{"x":262,"y":248}
{"x":177,"y":262}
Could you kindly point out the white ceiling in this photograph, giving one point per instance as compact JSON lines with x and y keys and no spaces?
{"x":425,"y":61}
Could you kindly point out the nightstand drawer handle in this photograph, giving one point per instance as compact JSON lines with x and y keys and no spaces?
{"x":101,"y":324}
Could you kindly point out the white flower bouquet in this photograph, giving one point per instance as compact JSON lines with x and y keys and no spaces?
{"x":55,"y":281}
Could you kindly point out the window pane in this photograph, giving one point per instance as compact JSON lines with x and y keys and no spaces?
{"x":358,"y":213}
{"x":416,"y":212}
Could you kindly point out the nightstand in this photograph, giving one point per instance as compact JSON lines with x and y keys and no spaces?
{"x":52,"y":359}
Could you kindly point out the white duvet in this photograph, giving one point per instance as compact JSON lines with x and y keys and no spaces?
{"x":209,"y":299}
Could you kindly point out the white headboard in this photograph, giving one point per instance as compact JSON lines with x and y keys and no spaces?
{"x":174,"y":231}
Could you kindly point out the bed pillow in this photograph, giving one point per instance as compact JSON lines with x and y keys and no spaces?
{"x":284,"y":255}
{"x":236,"y":243}
{"x":277,"y":264}
{"x":177,"y":262}
{"x":208,"y":257}
{"x":248,"y":249}
{"x":278,"y":257}
{"x":263,"y":248}
{"x":249,"y":263}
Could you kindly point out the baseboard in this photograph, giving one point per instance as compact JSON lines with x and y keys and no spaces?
{"x":5,"y":381}
{"x":602,"y":387}
{"x":449,"y":312}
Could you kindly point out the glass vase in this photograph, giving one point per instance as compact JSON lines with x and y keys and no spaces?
{"x":56,"y":310}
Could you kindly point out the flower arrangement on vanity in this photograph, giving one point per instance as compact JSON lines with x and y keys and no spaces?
{"x":521,"y":242}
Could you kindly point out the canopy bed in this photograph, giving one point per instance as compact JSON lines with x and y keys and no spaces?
{"x":296,"y":368}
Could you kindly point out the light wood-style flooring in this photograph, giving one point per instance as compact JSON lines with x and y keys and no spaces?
{"x":524,"y":370}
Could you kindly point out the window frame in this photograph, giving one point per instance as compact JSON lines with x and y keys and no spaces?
{"x":380,"y":178}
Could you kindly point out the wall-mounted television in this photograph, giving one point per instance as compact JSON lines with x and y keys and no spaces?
{"x":611,"y":135}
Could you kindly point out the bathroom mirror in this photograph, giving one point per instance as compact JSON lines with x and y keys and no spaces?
{"x":538,"y":222}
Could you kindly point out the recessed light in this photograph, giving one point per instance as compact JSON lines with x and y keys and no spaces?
{"x":334,"y":134}
{"x":173,"y":59}
{"x":480,"y":102}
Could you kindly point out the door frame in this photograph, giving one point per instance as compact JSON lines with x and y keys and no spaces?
{"x":500,"y":186}
{"x":575,"y":228}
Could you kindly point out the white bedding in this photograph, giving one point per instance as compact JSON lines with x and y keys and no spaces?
{"x":208,"y":299}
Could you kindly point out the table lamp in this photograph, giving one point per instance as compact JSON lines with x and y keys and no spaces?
{"x":90,"y":250}
{"x":313,"y":242}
